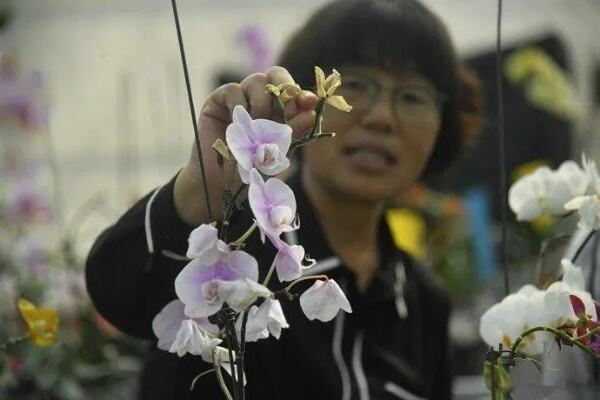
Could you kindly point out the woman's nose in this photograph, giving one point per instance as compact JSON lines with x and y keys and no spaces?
{"x":380,"y":115}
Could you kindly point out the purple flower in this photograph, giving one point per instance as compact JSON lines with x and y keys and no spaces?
{"x":323,"y":300}
{"x":204,"y":244}
{"x":198,"y":285}
{"x":288,"y":261}
{"x":273,"y":205}
{"x":259,"y":143}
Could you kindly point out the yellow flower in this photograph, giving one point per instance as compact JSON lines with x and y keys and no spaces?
{"x":42,"y":323}
{"x":326,"y":87}
{"x":285,"y":91}
{"x":546,"y":85}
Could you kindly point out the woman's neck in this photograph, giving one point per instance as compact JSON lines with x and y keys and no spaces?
{"x":351,"y":227}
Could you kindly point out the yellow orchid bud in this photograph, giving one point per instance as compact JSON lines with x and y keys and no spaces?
{"x":285,"y":91}
{"x":41,"y":322}
{"x":221,"y":148}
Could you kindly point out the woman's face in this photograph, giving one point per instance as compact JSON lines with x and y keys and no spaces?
{"x":383,"y":144}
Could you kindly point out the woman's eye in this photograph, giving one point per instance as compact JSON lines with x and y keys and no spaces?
{"x":413,"y":97}
{"x":354,"y":86}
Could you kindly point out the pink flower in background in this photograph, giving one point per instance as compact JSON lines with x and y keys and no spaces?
{"x":323,"y":300}
{"x":273,"y":205}
{"x":21,"y":97}
{"x":260,"y":143}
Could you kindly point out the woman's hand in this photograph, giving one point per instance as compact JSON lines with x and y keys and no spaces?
{"x":214,"y":118}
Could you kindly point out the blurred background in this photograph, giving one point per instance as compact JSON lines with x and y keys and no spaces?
{"x":94,"y":114}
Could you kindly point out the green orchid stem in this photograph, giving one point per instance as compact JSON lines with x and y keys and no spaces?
{"x":312,"y":134}
{"x":304,"y":278}
{"x":242,"y":239}
{"x":582,"y":246}
{"x":220,"y":379}
{"x":12,"y":341}
{"x":319,"y":112}
{"x":229,"y":211}
{"x":200,"y":376}
{"x":279,"y":109}
{"x":269,"y":274}
{"x":560,"y":334}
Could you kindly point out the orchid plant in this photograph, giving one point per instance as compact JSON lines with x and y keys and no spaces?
{"x":221,"y":304}
{"x":524,"y":324}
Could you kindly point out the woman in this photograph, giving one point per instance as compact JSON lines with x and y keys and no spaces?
{"x":400,"y":73}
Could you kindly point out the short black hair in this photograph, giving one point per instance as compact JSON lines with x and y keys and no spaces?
{"x":394,"y":35}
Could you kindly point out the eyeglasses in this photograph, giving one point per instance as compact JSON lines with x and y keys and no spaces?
{"x":411,"y":102}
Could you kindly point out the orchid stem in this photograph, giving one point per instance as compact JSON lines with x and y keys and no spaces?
{"x":229,"y":210}
{"x":582,"y":246}
{"x":312,"y":134}
{"x":279,"y":109}
{"x":242,"y":239}
{"x":304,"y":278}
{"x":319,"y":111}
{"x":200,"y":376}
{"x":220,"y":379}
{"x":556,"y":332}
{"x":269,"y":274}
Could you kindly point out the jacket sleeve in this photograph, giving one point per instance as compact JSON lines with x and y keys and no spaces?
{"x":128,"y":276}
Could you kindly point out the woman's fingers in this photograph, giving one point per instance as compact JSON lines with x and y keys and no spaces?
{"x":259,"y":101}
{"x":221,"y":102}
{"x":252,"y":95}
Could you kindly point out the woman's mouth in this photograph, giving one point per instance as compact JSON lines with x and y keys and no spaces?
{"x":369,"y":159}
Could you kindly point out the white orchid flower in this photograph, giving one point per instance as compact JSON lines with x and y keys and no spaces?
{"x":323,"y":300}
{"x":588,"y":206}
{"x":268,"y":318}
{"x":167,"y":323}
{"x":240,"y":294}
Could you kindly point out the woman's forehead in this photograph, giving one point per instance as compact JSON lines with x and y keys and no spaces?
{"x":386,"y":77}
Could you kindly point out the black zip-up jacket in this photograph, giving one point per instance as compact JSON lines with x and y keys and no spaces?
{"x":394,"y":345}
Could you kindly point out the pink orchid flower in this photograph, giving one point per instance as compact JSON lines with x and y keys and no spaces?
{"x":260,"y":143}
{"x":273,"y":205}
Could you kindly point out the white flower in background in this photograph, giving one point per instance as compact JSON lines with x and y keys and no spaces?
{"x":273,"y":205}
{"x":504,"y":322}
{"x":268,"y":318}
{"x":547,"y":190}
{"x":260,"y":143}
{"x":167,"y":323}
{"x":567,"y":182}
{"x":526,"y":196}
{"x":204,"y":243}
{"x":588,"y":206}
{"x":198,"y":285}
{"x":241,"y":293}
{"x":323,"y":300}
